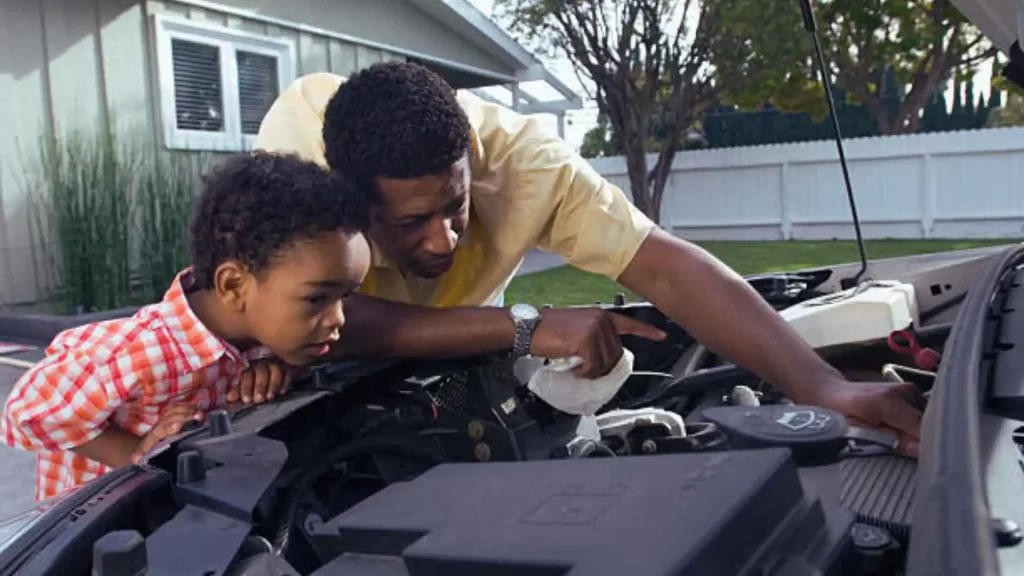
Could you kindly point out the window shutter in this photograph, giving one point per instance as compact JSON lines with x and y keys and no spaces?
{"x":257,"y":88}
{"x":198,"y":101}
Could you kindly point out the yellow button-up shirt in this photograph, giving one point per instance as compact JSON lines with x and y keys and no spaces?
{"x":529,"y":190}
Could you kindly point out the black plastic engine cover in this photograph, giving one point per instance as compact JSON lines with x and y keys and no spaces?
{"x":723,"y":513}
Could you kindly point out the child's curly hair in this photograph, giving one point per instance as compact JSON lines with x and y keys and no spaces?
{"x":255,"y":205}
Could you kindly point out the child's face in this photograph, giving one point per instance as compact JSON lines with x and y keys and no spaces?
{"x":295,"y":306}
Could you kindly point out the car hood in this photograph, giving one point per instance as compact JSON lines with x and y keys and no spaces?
{"x":1002,"y":21}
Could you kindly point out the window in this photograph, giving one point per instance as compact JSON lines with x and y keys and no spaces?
{"x":216,"y":84}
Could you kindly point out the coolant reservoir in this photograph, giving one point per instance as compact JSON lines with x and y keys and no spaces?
{"x":867,"y":312}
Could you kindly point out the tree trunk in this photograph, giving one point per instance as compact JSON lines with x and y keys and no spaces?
{"x":636,"y":167}
{"x":658,"y":178}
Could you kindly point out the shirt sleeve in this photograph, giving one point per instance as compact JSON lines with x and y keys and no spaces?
{"x":580,"y":215}
{"x":294,"y":123}
{"x":62,"y":402}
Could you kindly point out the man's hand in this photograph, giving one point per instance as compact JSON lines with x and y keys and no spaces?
{"x":590,"y":333}
{"x":170,"y":424}
{"x":262,"y":381}
{"x":889,"y":407}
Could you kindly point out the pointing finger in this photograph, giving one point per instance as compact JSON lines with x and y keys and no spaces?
{"x":626,"y":325}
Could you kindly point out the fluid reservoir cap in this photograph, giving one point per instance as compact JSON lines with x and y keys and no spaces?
{"x":815,"y":435}
{"x":119,"y":553}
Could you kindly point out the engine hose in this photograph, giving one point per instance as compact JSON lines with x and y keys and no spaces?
{"x":344,"y":452}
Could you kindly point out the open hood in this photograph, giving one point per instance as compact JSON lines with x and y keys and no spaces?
{"x":1002,"y":21}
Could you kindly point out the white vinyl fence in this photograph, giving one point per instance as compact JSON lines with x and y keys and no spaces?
{"x":949,"y":185}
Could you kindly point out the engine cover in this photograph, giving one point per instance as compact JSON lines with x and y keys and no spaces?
{"x":722,"y":513}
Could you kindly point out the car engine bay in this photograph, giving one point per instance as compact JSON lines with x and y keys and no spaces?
{"x":409,"y":468}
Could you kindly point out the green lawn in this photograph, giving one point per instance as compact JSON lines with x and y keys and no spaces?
{"x":568,"y":286}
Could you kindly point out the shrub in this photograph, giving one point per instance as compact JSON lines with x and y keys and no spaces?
{"x":112,"y":217}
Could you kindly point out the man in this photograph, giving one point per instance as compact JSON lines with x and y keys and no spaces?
{"x":461,"y":189}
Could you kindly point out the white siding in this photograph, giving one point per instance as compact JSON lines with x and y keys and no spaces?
{"x":949,"y":185}
{"x":72,"y":64}
{"x":389,"y":22}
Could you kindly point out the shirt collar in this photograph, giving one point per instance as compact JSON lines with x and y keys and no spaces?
{"x":196,"y":343}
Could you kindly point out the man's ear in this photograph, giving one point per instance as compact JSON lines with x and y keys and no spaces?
{"x":232,"y":282}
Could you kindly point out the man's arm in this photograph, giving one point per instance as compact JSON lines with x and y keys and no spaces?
{"x":731,"y":318}
{"x":375,"y":327}
{"x":724,"y":313}
{"x":381,"y":328}
{"x":597,"y":228}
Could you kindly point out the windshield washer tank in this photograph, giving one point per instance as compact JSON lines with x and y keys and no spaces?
{"x":864,"y":313}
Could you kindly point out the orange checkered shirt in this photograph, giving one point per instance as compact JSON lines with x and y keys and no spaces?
{"x":124,"y":371}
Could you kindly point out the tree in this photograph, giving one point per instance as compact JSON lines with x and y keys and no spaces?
{"x":765,"y":53}
{"x":1011,"y":113}
{"x":645,"y":64}
{"x":599,"y":142}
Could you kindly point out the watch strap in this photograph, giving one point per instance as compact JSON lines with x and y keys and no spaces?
{"x":524,"y":334}
{"x":524,"y":328}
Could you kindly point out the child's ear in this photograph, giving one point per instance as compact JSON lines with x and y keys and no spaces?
{"x":232,"y":281}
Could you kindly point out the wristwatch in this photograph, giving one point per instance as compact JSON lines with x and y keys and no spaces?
{"x":526,"y":319}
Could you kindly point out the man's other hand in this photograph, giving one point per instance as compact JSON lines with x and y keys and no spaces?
{"x":885,"y":406}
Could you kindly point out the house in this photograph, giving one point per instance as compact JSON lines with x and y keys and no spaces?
{"x":198,"y":75}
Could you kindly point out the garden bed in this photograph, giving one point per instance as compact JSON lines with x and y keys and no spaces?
{"x":108,"y":215}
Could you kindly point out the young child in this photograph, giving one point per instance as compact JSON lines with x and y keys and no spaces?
{"x":276,"y":244}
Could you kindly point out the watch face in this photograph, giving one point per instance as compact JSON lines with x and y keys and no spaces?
{"x":525,"y":312}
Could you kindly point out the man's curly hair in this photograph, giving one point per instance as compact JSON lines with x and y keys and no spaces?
{"x":394,"y":120}
{"x":255,"y":205}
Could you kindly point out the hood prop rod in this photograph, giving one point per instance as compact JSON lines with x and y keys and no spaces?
{"x":812,"y":28}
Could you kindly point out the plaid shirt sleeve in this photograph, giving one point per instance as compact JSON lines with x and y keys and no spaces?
{"x":64,"y":401}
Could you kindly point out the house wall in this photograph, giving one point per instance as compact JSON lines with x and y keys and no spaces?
{"x":376,"y":20}
{"x":67,"y":64}
{"x":947,"y":185}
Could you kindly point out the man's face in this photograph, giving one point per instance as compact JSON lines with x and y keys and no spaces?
{"x":418,"y":221}
{"x":295,"y":307}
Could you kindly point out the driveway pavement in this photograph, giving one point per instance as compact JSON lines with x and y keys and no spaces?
{"x":535,"y":261}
